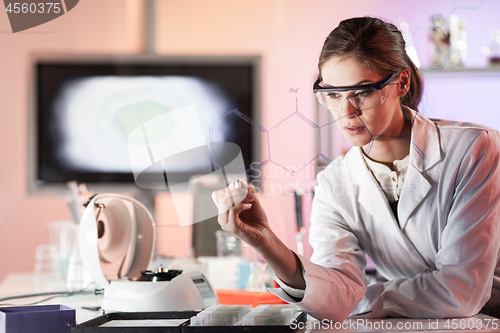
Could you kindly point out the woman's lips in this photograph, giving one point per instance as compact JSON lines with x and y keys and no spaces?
{"x":354,"y":130}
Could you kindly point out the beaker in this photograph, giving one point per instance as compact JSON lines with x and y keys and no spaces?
{"x":256,"y":279}
{"x":63,"y":235}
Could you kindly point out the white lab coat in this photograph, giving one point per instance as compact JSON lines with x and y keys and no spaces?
{"x":441,"y":260}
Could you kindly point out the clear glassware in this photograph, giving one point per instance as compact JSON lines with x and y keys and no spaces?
{"x":256,"y":281}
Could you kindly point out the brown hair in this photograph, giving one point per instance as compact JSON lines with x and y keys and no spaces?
{"x":379,"y":46}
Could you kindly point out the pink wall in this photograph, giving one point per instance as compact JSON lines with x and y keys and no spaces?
{"x":288,"y":34}
{"x":91,"y":27}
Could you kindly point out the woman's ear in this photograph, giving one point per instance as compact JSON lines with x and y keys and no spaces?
{"x":404,"y":82}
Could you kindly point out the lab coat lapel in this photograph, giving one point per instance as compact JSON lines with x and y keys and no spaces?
{"x":373,"y":200}
{"x":414,"y":190}
{"x":370,"y":196}
{"x":424,"y":153}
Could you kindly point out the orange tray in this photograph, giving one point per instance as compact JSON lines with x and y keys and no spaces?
{"x":244,"y":297}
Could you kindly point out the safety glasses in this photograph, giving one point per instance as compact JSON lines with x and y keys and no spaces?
{"x":361,"y":97}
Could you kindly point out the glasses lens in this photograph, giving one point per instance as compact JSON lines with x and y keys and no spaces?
{"x":359,"y":99}
{"x":331,"y":100}
{"x":367,"y":99}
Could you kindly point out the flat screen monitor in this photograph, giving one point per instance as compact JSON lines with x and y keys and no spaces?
{"x":86,"y":108}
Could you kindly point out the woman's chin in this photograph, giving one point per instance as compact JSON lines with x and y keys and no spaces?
{"x":358,"y":142}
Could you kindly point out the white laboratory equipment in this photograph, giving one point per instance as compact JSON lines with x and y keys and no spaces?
{"x":117,"y":240}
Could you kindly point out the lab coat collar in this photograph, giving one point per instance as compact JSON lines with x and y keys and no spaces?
{"x":425,"y":151}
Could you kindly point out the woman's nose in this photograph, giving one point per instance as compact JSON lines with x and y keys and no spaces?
{"x":348,"y":109}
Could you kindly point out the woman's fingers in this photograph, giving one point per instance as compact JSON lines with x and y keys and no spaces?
{"x":232,"y":222}
{"x":243,"y":217}
{"x":239,"y":191}
{"x":231,"y":201}
{"x":232,"y":195}
{"x":250,"y":192}
{"x":222,"y":199}
{"x":243,"y":192}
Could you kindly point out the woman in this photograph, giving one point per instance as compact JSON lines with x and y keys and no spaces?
{"x":419,"y":196}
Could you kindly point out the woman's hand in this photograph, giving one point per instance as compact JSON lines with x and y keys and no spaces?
{"x":241,"y":214}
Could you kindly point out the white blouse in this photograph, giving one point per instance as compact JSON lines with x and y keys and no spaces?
{"x":391,"y":182}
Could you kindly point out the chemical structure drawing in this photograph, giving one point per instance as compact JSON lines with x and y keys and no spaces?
{"x":226,"y":158}
{"x":296,"y":126}
{"x":287,"y":130}
{"x":214,"y":127}
{"x":293,"y":128}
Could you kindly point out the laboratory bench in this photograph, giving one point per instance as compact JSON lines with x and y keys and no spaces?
{"x":24,"y":283}
{"x":86,"y":308}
